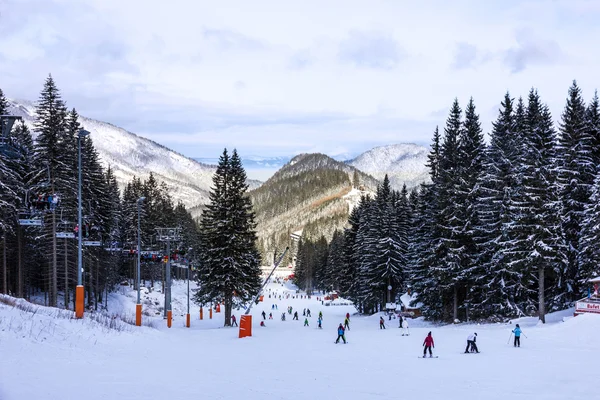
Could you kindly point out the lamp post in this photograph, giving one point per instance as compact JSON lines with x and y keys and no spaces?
{"x":138,"y":305}
{"x":79,"y":293}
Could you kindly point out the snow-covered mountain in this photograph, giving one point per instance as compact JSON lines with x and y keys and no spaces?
{"x":131,"y":155}
{"x":312,"y":194}
{"x":404,"y":163}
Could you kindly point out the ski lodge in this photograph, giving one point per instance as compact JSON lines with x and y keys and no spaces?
{"x":591,"y":303}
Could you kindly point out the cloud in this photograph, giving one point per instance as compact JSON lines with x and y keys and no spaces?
{"x":465,"y":55}
{"x":300,"y":60}
{"x":370,"y":49}
{"x":231,"y":40}
{"x":531,"y":50}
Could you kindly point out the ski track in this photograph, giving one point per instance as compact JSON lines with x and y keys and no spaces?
{"x":286,"y":360}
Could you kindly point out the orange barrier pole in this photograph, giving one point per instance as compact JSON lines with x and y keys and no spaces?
{"x":169,"y":318}
{"x":218,"y":307}
{"x":201,"y":313}
{"x":210,"y":313}
{"x":245,"y":326}
{"x":79,"y":299}
{"x":138,"y":315}
{"x":187,"y":320}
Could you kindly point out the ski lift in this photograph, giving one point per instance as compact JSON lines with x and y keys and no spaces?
{"x":29,"y":216}
{"x":6,"y":144}
{"x":65,"y":230}
{"x":91,"y":235}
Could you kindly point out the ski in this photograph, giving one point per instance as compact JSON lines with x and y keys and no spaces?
{"x":428,"y":357}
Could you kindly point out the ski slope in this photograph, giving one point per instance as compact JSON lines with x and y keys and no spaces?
{"x":45,"y":357}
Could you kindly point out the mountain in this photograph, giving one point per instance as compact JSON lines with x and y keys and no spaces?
{"x":129,"y":154}
{"x":311,"y":195}
{"x":404,"y":163}
{"x":257,"y":168}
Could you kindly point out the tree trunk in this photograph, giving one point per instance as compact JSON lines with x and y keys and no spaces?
{"x":541,"y":297}
{"x":66,"y":296}
{"x":228,"y":306}
{"x":54,"y":281}
{"x":19,"y":264}
{"x":4,"y":269}
{"x":455,"y":308}
{"x":97,"y":285}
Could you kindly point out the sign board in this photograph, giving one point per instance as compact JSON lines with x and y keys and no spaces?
{"x":584,"y":306}
{"x":65,"y":235}
{"x":30,"y":222}
{"x":91,"y":243}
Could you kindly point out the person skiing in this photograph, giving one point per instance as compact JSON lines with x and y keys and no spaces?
{"x":264,"y":315}
{"x":347,"y":323}
{"x":341,"y":332}
{"x":233,"y":321}
{"x":283,"y":316}
{"x":304,"y":312}
{"x":517,"y":331}
{"x":295,"y":316}
{"x":270,"y":315}
{"x":381,"y":323}
{"x":320,"y":315}
{"x":405,"y":331}
{"x":400,"y":322}
{"x":308,"y":312}
{"x":348,"y":316}
{"x":471,"y":345}
{"x":428,"y":343}
{"x":305,"y":321}
{"x":319,"y":321}
{"x":262,"y":323}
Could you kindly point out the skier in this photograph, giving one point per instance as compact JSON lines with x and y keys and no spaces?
{"x":347,"y":323}
{"x":381,"y":323}
{"x":304,"y":312}
{"x":428,"y":343}
{"x":405,"y":331}
{"x":341,"y":334}
{"x":283,"y":316}
{"x":517,"y":331}
{"x":319,"y":321}
{"x":233,"y":321}
{"x":270,"y":315}
{"x":308,"y":312}
{"x":471,"y":345}
{"x":264,"y":314}
{"x":295,"y":316}
{"x":320,"y":315}
{"x":400,"y":322}
{"x":348,"y":316}
{"x":305,"y":321}
{"x":262,"y":323}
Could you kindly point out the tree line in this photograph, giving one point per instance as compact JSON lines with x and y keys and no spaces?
{"x":39,"y":181}
{"x":504,"y":229}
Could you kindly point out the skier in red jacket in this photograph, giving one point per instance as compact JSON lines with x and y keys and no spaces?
{"x":428,"y":343}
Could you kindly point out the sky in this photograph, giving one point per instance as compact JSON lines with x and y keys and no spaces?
{"x":278,"y":78}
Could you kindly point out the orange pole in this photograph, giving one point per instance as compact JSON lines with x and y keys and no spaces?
{"x":187,"y":320}
{"x":138,"y":315}
{"x":245,"y":326}
{"x":210,"y":313}
{"x":79,"y":298}
{"x":201,"y":313}
{"x":169,"y":318}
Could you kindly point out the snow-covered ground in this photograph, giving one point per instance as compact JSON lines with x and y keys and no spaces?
{"x":46,"y":355}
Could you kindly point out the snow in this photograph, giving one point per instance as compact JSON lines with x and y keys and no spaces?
{"x":49,"y":356}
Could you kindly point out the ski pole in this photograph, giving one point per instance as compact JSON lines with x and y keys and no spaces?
{"x":524,"y":335}
{"x":509,"y":338}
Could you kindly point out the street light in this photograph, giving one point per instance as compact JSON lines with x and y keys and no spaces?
{"x":138,"y":305}
{"x":79,"y":294}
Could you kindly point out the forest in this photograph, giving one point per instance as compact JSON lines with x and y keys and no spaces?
{"x":506,"y":227}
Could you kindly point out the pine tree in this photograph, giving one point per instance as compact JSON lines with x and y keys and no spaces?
{"x":576,"y":173}
{"x":230,"y":268}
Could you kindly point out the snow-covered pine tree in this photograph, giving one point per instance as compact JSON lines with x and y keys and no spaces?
{"x":471,"y":150}
{"x":576,"y":173}
{"x":540,"y":223}
{"x":230,"y":268}
{"x":335,"y":261}
{"x":50,"y":125}
{"x":449,"y":220}
{"x":592,"y":120}
{"x":348,"y":270}
{"x":497,"y":284}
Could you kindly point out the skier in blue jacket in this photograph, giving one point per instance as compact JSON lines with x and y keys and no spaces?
{"x":517,"y":331}
{"x":341,"y":332}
